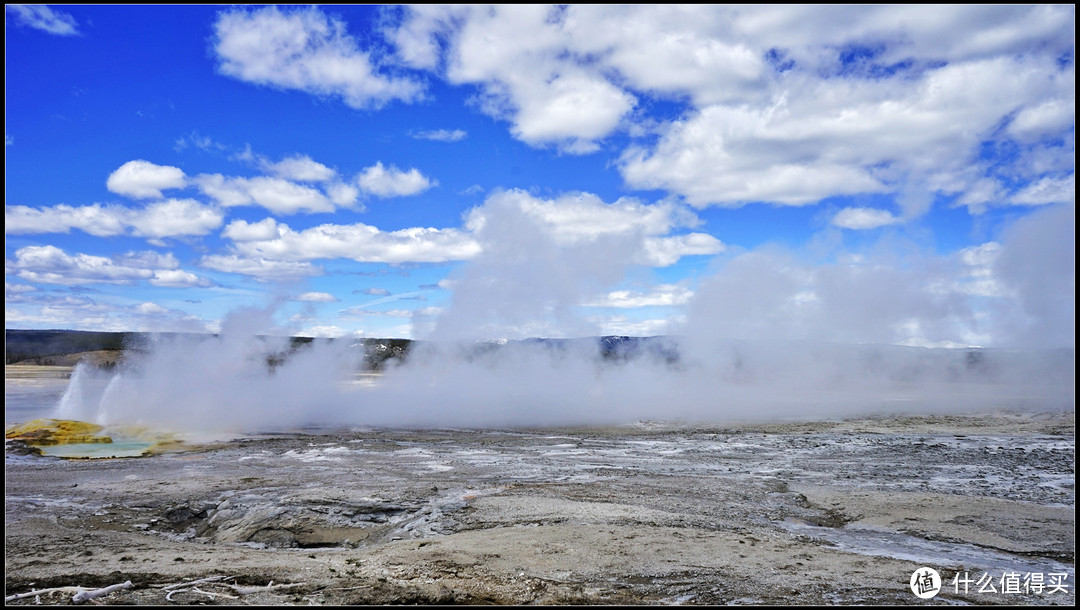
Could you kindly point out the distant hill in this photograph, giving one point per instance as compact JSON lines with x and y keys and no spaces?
{"x":67,"y":347}
{"x":50,"y":346}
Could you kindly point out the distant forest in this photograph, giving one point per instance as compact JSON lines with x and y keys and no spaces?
{"x":47,"y":347}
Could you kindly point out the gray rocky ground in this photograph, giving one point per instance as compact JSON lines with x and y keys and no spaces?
{"x":838,"y":512}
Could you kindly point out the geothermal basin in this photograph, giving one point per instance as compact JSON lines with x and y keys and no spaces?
{"x":836,"y":511}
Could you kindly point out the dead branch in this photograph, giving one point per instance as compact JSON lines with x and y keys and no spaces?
{"x":212,"y":594}
{"x":269,"y":587}
{"x":32,"y":593}
{"x":89,"y":594}
{"x":192,"y":583}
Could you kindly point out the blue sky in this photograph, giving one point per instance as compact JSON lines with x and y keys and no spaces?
{"x":872,"y":174}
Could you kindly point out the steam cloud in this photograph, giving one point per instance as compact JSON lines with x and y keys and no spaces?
{"x":767,"y":336}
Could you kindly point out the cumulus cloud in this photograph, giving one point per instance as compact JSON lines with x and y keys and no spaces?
{"x":143,"y":179}
{"x":51,"y":265}
{"x":275,"y":194}
{"x":1049,"y":118}
{"x":41,"y":17}
{"x":307,"y":51}
{"x":316,"y":297}
{"x":782,"y":105}
{"x":344,"y":195}
{"x":169,"y":218}
{"x":663,"y":295}
{"x":514,"y":53}
{"x":177,"y":278}
{"x":80,"y":313}
{"x":10,"y":289}
{"x":242,"y":230}
{"x":393,"y":182}
{"x":666,"y":251}
{"x":175,"y":217}
{"x":300,"y":168}
{"x":1047,"y":190}
{"x":361,"y":243}
{"x":260,"y":268}
{"x":295,"y":184}
{"x":862,"y":218}
{"x":582,"y":216}
{"x":841,"y":136}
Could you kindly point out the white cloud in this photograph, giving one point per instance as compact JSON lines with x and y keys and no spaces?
{"x":682,"y":49}
{"x":980,"y":194}
{"x":49,"y":311}
{"x":577,"y":216}
{"x":177,"y":278}
{"x":863,"y":218}
{"x":344,"y":195}
{"x":170,"y":218}
{"x":784,"y":105}
{"x":150,"y":308}
{"x":1047,"y":190}
{"x":316,"y":297}
{"x":515,"y":54}
{"x":441,"y":135}
{"x":142,"y":179}
{"x":664,"y":295}
{"x":304,"y":50}
{"x":259,"y":268}
{"x":353,"y":312}
{"x":51,"y":265}
{"x":362,"y":243}
{"x":819,"y":138}
{"x":275,"y":194}
{"x":175,"y":217}
{"x":393,"y":182}
{"x":323,"y":331}
{"x":43,"y":18}
{"x":96,"y":219}
{"x":666,"y":251}
{"x":574,"y":108}
{"x":623,"y":325}
{"x":242,"y":230}
{"x":300,"y":168}
{"x":1048,"y":118}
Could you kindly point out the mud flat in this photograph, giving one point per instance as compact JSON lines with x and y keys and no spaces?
{"x":836,"y":512}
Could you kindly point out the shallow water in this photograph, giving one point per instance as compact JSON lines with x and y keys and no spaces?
{"x":883,"y":542}
{"x":26,"y":399}
{"x":116,"y":449}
